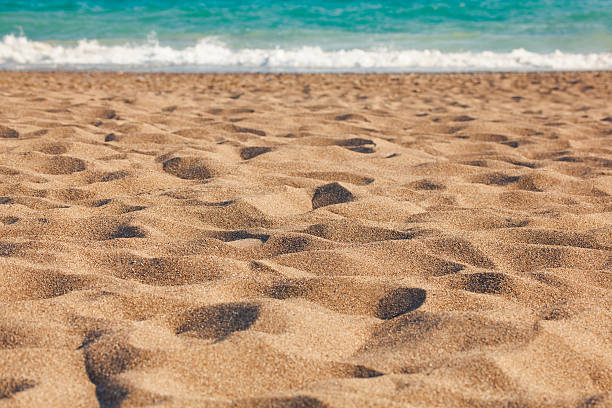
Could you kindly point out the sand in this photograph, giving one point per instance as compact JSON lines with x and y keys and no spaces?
{"x":305,"y":240}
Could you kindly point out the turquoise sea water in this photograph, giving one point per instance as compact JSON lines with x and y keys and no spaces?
{"x":319,"y":35}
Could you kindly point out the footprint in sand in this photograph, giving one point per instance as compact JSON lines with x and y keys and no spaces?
{"x":54,"y":148}
{"x":279,"y":402}
{"x":104,"y":177}
{"x":231,"y":236}
{"x":247,"y":153}
{"x":105,"y":114}
{"x":399,"y":302}
{"x":106,"y":356}
{"x":218,"y":321}
{"x":330,"y":194}
{"x":8,"y":220}
{"x":492,"y":283}
{"x":61,"y":165}
{"x":352,"y":116}
{"x":188,"y":168}
{"x":358,"y":145}
{"x":426,"y":184}
{"x":463,"y":118}
{"x":239,"y":129}
{"x":11,"y":386}
{"x":8,"y":133}
{"x":110,"y":137}
{"x":128,"y":231}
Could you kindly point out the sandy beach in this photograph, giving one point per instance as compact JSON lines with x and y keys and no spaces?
{"x":314,"y":240}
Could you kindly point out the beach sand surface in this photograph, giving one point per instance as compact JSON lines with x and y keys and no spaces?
{"x":316,"y":240}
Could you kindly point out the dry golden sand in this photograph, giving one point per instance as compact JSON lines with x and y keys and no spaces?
{"x":305,"y":240}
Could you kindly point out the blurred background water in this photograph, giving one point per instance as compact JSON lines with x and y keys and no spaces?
{"x":330,"y":35}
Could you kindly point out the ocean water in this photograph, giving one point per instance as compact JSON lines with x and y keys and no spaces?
{"x":313,"y":36}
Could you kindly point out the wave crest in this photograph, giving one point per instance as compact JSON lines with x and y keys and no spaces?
{"x":208,"y":54}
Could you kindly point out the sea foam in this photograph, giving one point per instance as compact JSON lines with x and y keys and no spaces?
{"x":210,"y":54}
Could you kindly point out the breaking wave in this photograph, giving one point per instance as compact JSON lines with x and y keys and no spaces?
{"x":209,"y":54}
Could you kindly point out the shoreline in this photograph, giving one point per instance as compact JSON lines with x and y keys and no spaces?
{"x":289,"y":73}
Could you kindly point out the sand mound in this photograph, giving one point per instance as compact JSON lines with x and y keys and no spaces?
{"x":305,"y":240}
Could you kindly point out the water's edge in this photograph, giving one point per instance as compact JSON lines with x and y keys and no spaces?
{"x":211,"y":55}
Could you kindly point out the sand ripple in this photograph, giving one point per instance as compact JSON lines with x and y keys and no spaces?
{"x":305,"y":240}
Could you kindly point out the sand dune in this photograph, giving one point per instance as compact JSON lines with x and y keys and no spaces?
{"x":306,"y":240}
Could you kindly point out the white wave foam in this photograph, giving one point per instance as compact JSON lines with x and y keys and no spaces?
{"x":208,"y":54}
